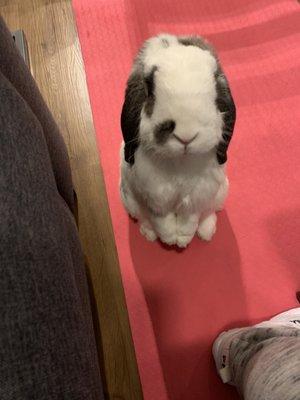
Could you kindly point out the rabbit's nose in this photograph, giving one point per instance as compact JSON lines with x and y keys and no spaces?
{"x":185,"y":140}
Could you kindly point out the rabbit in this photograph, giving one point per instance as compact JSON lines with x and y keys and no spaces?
{"x":177,"y":121}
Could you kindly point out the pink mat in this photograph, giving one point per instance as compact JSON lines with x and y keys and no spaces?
{"x":179,"y":301}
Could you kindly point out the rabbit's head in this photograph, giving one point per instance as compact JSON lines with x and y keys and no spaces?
{"x":177,"y":101}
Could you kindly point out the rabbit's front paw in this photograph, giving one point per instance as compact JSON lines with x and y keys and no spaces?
{"x":186,"y":229}
{"x":165,"y":228}
{"x":207,"y":227}
{"x":147,"y":231}
{"x":183,"y":240}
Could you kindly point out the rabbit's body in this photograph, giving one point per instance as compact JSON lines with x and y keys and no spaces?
{"x":171,"y":198}
{"x":172,"y":179}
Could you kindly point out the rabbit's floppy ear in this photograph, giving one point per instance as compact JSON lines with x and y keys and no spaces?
{"x":226,"y":106}
{"x":139,"y":92}
{"x":135,"y":97}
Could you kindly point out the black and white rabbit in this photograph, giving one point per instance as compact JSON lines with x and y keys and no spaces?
{"x":177,"y":121}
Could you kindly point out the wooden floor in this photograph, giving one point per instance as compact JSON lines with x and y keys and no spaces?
{"x":58,"y":69}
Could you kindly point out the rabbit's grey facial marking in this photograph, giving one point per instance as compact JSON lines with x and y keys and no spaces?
{"x":164,"y":130}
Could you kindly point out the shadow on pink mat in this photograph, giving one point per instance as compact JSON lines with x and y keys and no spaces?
{"x":284,"y":229}
{"x":191,"y":296}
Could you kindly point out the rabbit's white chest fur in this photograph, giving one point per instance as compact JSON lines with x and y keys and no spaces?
{"x":174,"y":197}
{"x":186,"y":185}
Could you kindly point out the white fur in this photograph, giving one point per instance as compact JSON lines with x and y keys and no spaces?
{"x":174,"y":190}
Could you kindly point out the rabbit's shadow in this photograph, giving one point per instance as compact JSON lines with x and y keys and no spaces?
{"x":191,"y":295}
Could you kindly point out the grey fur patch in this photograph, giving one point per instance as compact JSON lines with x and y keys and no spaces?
{"x":164,"y":130}
{"x":165,"y":42}
{"x":150,"y":92}
{"x":197,"y":41}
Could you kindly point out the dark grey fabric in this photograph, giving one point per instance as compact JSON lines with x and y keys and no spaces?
{"x":47,"y":344}
{"x":15,"y":70}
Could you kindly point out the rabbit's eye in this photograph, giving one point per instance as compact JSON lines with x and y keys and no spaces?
{"x":163,"y":130}
{"x":167,"y":126}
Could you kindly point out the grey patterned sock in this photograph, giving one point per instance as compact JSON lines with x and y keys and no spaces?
{"x":265,"y":363}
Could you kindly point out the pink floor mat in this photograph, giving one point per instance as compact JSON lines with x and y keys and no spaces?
{"x":179,"y":301}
